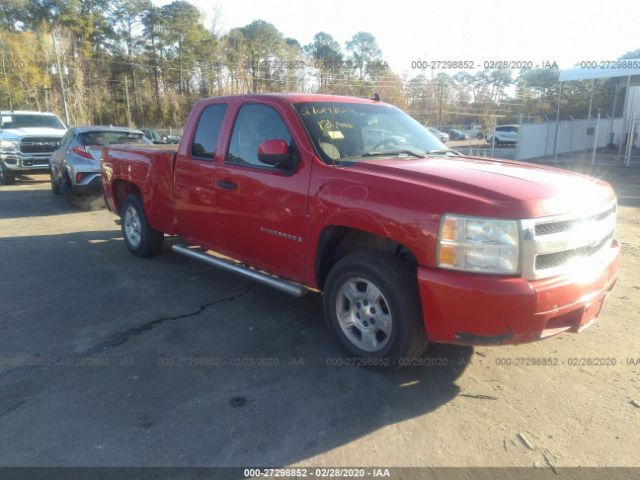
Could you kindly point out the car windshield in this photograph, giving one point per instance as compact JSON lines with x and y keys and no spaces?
{"x":355,"y":131}
{"x":152,"y":135}
{"x":110,"y":138}
{"x":27,"y":121}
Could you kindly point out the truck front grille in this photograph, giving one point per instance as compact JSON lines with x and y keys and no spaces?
{"x":39,"y":144}
{"x":551,"y":228}
{"x":554,"y":245}
{"x":558,"y":259}
{"x":558,"y":227}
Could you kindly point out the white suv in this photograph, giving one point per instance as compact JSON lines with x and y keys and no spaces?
{"x":505,"y":134}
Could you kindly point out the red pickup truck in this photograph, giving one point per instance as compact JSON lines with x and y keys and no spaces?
{"x":409,"y":241}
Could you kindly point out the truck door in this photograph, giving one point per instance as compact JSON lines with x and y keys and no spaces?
{"x":195,"y":175}
{"x":262,"y":208}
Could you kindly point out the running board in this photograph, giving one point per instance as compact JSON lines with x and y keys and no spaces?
{"x":286,"y":286}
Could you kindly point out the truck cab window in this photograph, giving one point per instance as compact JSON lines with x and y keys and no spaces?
{"x":254,"y":125}
{"x":206,"y":137}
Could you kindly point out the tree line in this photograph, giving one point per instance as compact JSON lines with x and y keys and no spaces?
{"x":130,"y":62}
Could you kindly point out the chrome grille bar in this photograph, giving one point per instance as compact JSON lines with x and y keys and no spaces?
{"x":553,"y":245}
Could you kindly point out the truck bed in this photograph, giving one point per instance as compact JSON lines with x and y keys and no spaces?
{"x":151,"y":169}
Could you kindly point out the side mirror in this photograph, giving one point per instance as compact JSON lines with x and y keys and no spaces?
{"x":276,"y":153}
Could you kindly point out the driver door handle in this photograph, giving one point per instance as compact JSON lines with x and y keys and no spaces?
{"x":226,"y":184}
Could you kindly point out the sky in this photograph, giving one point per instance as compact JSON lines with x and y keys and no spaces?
{"x":566,"y":32}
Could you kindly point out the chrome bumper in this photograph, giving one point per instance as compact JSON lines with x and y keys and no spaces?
{"x":25,"y":162}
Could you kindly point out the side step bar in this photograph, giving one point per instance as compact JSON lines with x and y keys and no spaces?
{"x":286,"y":286}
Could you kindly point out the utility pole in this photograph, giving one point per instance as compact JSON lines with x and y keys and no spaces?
{"x":126,"y":92}
{"x":64,"y":96}
{"x":440,"y":95}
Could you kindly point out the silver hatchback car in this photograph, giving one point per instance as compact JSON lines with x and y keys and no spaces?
{"x":75,"y":165}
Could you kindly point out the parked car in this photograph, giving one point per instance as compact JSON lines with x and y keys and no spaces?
{"x":505,"y":134}
{"x":174,"y":139}
{"x":75,"y":166}
{"x":474,"y":131}
{"x":153,"y":135}
{"x":409,"y":241}
{"x":455,"y":134}
{"x":443,"y":137}
{"x":27,"y":140}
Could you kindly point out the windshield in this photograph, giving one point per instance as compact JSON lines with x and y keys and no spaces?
{"x":29,"y":121}
{"x":110,"y":138}
{"x":353,"y":131}
{"x":152,"y":135}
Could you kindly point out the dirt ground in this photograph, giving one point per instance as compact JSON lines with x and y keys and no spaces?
{"x":107,"y":359}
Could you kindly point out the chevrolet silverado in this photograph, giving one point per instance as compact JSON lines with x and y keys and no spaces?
{"x":409,"y":242}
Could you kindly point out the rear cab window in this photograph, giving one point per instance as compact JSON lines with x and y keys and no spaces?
{"x":205,"y":139}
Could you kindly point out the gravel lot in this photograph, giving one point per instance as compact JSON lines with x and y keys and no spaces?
{"x":107,"y":359}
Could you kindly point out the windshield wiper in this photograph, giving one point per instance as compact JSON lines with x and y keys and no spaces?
{"x":442,"y":150}
{"x":393,"y":152}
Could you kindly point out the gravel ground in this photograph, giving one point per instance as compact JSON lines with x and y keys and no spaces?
{"x":107,"y":359}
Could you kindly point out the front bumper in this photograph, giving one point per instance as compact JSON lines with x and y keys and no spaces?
{"x":476,"y":309}
{"x":19,"y":163}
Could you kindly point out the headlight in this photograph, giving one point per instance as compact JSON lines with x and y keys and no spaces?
{"x":8,"y":146}
{"x":484,"y":245}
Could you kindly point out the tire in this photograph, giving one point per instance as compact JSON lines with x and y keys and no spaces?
{"x":55,"y":184}
{"x":65,"y":186}
{"x":140,"y":238}
{"x":375,"y":285}
{"x":6,"y":178}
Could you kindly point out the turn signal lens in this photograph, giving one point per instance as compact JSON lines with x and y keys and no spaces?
{"x":447,"y":255}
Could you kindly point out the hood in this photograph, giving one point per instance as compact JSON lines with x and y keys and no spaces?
{"x":515,"y":189}
{"x":17,"y":133}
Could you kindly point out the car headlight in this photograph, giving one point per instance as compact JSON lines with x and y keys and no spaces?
{"x":483,"y":245}
{"x":8,"y":146}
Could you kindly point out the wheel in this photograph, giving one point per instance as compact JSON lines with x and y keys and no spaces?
{"x":141,"y":239}
{"x":65,"y":185}
{"x":55,"y":184}
{"x":6,"y":178}
{"x":371,"y":302}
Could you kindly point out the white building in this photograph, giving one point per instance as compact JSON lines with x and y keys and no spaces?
{"x":627,"y":79}
{"x":561,"y":137}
